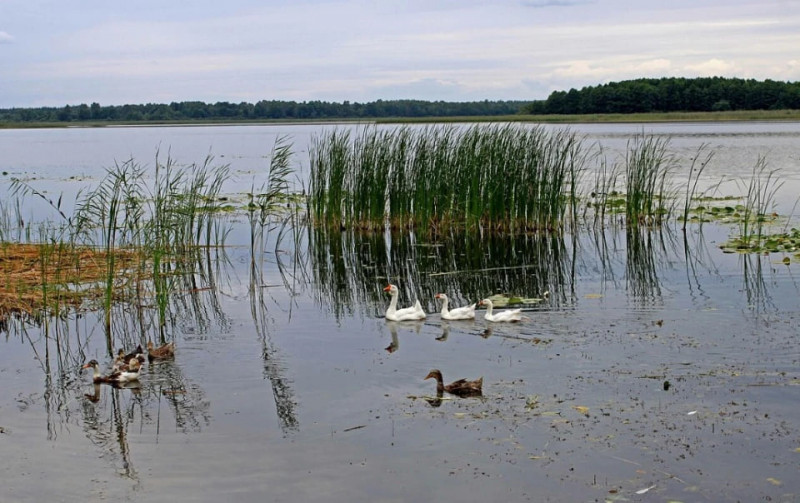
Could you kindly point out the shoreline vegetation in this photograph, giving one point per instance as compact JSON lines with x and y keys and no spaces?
{"x":621,"y":118}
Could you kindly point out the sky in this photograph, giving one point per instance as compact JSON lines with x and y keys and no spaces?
{"x":55,"y":53}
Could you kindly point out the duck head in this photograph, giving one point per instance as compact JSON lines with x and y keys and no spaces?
{"x":92,"y":364}
{"x":434,"y":374}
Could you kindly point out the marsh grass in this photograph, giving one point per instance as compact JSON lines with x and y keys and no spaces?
{"x":758,"y":204}
{"x":650,"y":195}
{"x":267,"y":210}
{"x":699,"y":162}
{"x":604,"y":198}
{"x":146,"y":231}
{"x":505,"y":178}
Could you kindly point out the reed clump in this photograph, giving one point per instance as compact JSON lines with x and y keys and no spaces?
{"x":505,"y":178}
{"x":50,"y":276}
{"x":650,"y":197}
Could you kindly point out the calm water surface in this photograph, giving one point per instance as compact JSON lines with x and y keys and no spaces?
{"x":658,"y":368}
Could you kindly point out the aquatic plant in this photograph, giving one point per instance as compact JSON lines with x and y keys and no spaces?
{"x":758,"y":203}
{"x":605,"y":198}
{"x":695,"y":172}
{"x":497,"y":177}
{"x":648,"y":168}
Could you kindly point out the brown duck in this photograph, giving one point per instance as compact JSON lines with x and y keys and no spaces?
{"x":462,"y":387}
{"x":160,"y":353}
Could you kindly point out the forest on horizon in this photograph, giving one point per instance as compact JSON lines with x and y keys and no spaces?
{"x":669,"y":94}
{"x":672,"y":94}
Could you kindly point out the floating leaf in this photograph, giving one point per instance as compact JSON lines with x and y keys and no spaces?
{"x":593,"y":296}
{"x":692,"y":413}
{"x":774,"y":481}
{"x":580,"y":408}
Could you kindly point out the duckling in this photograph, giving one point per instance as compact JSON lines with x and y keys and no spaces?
{"x":123,"y":359}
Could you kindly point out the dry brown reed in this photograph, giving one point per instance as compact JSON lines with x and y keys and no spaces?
{"x":51,"y":277}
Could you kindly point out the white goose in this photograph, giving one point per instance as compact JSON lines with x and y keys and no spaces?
{"x":507,"y":315}
{"x":406,"y":314}
{"x":459,"y":313}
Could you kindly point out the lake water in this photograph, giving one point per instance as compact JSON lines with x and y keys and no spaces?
{"x":657,"y":369}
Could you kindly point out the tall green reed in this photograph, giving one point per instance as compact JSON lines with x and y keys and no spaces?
{"x":497,"y":177}
{"x":649,"y":167}
{"x":698,"y":165}
{"x":266,"y":204}
{"x":604,"y":193}
{"x":166,"y":218}
{"x":758,"y":204}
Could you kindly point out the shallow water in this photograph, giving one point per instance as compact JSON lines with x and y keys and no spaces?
{"x":646,"y":368}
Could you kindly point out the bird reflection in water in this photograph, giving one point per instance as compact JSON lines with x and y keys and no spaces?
{"x":445,"y":332}
{"x":435,"y":401}
{"x":394,"y":345}
{"x":134,"y":386}
{"x":93,"y":397}
{"x":110,"y":431}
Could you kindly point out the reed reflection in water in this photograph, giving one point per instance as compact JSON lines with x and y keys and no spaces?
{"x":350,"y":269}
{"x":274,"y":367}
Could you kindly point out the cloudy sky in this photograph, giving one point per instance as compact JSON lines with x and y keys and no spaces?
{"x":54,"y":53}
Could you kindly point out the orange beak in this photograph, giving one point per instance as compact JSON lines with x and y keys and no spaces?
{"x":389,"y":287}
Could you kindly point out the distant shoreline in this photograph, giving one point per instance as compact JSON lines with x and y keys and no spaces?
{"x":730,"y":116}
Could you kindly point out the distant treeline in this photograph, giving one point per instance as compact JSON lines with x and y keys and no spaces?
{"x":712,"y":94}
{"x":630,"y":96}
{"x":264,"y":110}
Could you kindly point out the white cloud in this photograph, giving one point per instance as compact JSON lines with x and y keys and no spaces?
{"x":713,"y":67}
{"x":5,"y":38}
